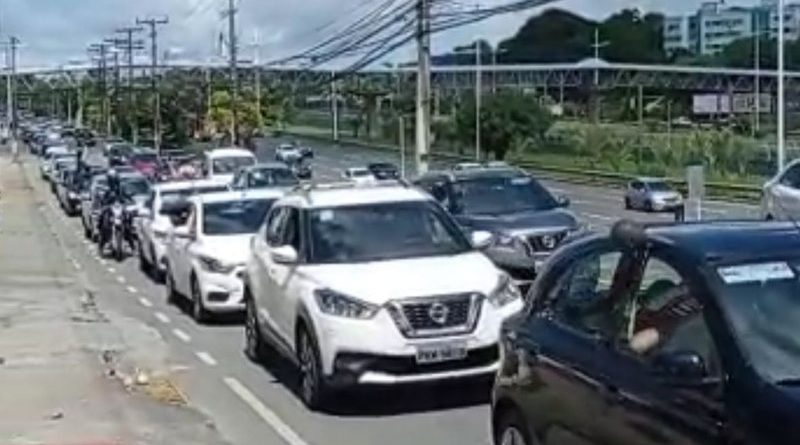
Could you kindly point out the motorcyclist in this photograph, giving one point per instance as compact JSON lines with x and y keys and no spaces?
{"x":112,"y":195}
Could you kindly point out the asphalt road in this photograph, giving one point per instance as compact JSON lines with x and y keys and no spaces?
{"x":248,"y":401}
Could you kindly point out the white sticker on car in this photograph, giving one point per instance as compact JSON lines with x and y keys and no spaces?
{"x":753,"y":273}
{"x":326,"y":215}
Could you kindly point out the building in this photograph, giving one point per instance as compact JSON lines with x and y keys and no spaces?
{"x":713,"y":26}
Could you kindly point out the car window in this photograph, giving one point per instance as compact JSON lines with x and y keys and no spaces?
{"x":290,"y":235}
{"x":791,"y":178}
{"x":582,"y":297}
{"x":666,"y":316}
{"x":275,"y":226}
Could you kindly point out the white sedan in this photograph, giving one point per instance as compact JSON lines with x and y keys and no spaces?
{"x":359,"y":175}
{"x":207,"y":255}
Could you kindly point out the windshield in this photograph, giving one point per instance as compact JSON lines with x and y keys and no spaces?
{"x":145,"y":157}
{"x":501,"y":195}
{"x":658,"y":187}
{"x":383,"y":232}
{"x":235,"y":217}
{"x":232,"y":164}
{"x":271,"y":177}
{"x":134,"y":186}
{"x":359,"y":173}
{"x":765,"y":314}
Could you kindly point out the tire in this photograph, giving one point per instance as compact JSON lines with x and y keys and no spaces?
{"x":145,"y":266}
{"x":119,"y":255}
{"x":255,"y":348}
{"x":169,"y":285}
{"x":510,"y":430}
{"x":199,"y":312}
{"x":627,"y":204}
{"x":648,"y":206}
{"x":313,"y":389}
{"x":86,"y":232}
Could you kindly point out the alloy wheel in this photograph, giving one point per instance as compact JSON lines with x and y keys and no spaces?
{"x":512,"y":436}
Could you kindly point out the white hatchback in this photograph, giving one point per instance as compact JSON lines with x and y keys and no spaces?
{"x":373,"y":285}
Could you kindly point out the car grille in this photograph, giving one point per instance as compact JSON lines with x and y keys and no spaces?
{"x":545,"y":242}
{"x":437,"y":316}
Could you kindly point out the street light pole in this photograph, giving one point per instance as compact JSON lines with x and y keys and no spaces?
{"x":757,"y":88}
{"x":781,"y":88}
{"x":478,"y":75}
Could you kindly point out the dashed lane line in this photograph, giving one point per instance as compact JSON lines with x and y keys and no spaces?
{"x":182,"y":336}
{"x":266,"y":414}
{"x":145,"y":302}
{"x":132,"y":289}
{"x":162,"y":317}
{"x":206,"y":358}
{"x":120,"y":279}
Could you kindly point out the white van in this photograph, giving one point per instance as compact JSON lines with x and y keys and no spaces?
{"x":223,"y":163}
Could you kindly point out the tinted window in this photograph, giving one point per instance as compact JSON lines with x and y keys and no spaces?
{"x":177,"y":195}
{"x":501,"y":195}
{"x":765,"y":313}
{"x":383,"y":231}
{"x":792,"y":177}
{"x":658,"y":187}
{"x":145,"y":157}
{"x":235,"y":217}
{"x":275,"y":227}
{"x":134,"y":186}
{"x":272,"y":177}
{"x":231,"y":164}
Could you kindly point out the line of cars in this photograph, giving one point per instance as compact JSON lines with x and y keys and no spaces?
{"x":663,"y":334}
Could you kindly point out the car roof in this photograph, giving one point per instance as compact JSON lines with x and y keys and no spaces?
{"x":476,"y":173}
{"x":646,"y":179}
{"x":238,"y":195}
{"x":174,"y":186}
{"x":351,"y":194}
{"x":729,"y":241}
{"x":229,"y":152}
{"x":269,"y":166}
{"x":357,"y":169}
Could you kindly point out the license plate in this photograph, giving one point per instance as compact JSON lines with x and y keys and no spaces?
{"x":441,"y":353}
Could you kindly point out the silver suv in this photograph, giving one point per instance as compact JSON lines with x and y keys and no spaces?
{"x":781,"y":196}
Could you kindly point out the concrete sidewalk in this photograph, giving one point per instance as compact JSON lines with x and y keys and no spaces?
{"x":62,"y":356}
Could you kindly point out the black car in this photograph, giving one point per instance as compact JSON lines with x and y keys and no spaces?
{"x":527,"y":221}
{"x":667,"y":334}
{"x":264,"y":176}
{"x":384,"y":171}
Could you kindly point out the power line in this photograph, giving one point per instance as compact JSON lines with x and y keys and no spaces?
{"x":153,"y":24}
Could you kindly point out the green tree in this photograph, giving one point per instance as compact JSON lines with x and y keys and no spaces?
{"x":507,"y":118}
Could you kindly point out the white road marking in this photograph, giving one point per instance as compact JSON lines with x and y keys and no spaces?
{"x":145,"y":302}
{"x":596,"y":216}
{"x":206,"y":358}
{"x":111,"y":270}
{"x":121,"y":279}
{"x":184,"y":337}
{"x":162,"y":317}
{"x":102,"y":261}
{"x":132,"y":289}
{"x":266,"y":414}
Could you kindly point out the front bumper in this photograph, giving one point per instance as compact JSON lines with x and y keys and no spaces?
{"x":374,"y":352}
{"x":664,"y":206}
{"x":222,"y":293}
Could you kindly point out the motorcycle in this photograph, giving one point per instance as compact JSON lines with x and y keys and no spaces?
{"x":117,"y":230}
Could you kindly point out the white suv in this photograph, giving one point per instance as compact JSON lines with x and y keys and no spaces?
{"x":373,"y":285}
{"x":781,"y":195}
{"x":206,"y":256}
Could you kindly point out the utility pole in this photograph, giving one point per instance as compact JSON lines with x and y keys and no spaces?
{"x":257,"y":74}
{"x":153,"y":24}
{"x":233,"y":49}
{"x":130,"y":45}
{"x":335,"y":106}
{"x":478,"y":97}
{"x":102,"y":50}
{"x":11,"y":92}
{"x":781,"y":88}
{"x":423,"y":128}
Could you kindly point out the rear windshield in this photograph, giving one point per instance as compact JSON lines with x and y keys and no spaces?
{"x":179,"y":195}
{"x":235,"y":217}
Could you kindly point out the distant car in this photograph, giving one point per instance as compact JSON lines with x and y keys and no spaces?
{"x":652,"y":195}
{"x":683,"y":334}
{"x":223,"y":163}
{"x":781,"y":195}
{"x":68,"y":191}
{"x":527,"y":221}
{"x":359,"y":175}
{"x":468,"y":166}
{"x":146,"y":162}
{"x":290,"y":153}
{"x":49,"y":157}
{"x":384,"y":170}
{"x":91,"y":205}
{"x":61,"y":163}
{"x":118,"y":153}
{"x":264,"y":176}
{"x":206,"y":257}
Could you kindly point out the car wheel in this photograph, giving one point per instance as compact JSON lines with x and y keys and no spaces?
{"x":648,"y":206}
{"x":86,"y":232}
{"x":255,"y":347}
{"x":144,"y":265}
{"x":199,"y":312}
{"x":627,"y":203}
{"x":172,"y":292}
{"x":313,"y":389}
{"x":510,"y":430}
{"x":155,"y":271}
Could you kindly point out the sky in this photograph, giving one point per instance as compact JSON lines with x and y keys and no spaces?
{"x":55,"y":32}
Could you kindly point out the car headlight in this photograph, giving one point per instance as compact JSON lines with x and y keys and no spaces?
{"x":505,"y":292}
{"x":72,"y":195}
{"x":214,"y":265}
{"x":509,"y":242}
{"x":334,"y":303}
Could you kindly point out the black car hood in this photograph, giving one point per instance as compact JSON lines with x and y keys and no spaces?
{"x":555,"y":218}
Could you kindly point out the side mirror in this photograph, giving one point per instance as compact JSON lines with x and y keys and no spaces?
{"x":284,"y":255}
{"x":481,"y":239}
{"x":681,"y":367}
{"x":182,"y":232}
{"x":563,"y":201}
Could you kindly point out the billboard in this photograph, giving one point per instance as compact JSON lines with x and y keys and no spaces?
{"x":726,"y":103}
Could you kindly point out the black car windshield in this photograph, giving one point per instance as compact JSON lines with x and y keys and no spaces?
{"x":383,"y":232}
{"x":134,"y":186}
{"x":272,"y":176}
{"x":231,"y":164}
{"x":658,"y":187}
{"x":501,"y":195}
{"x":761,"y":302}
{"x":235,"y":217}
